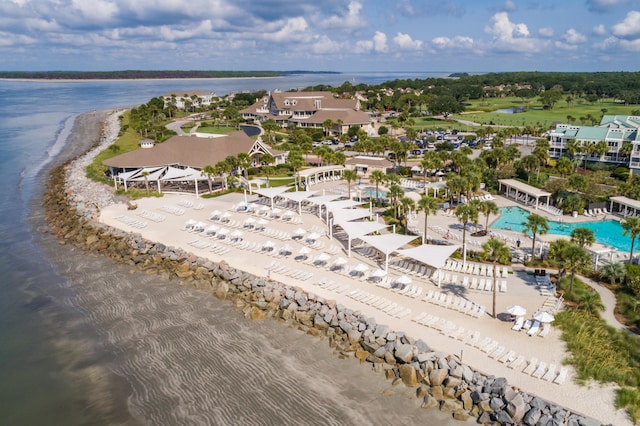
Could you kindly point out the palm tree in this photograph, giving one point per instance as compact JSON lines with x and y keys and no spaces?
{"x":530,"y":163}
{"x":244,"y":162}
{"x":564,"y":166}
{"x":590,"y":301}
{"x":495,"y":251}
{"x":327,"y":125}
{"x":146,"y":180}
{"x":466,"y":213}
{"x":406,"y":204}
{"x":428,"y":205}
{"x":394,"y":193}
{"x":268,"y":171}
{"x":576,"y":257}
{"x":349,"y":176}
{"x":557,"y":249}
{"x":583,"y":237}
{"x":631,"y":226}
{"x":535,"y":224}
{"x":209,"y":172}
{"x":487,"y":208}
{"x":222,"y":168}
{"x":613,"y":271}
{"x":377,"y":177}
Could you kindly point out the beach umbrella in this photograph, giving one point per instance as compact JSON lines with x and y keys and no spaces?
{"x":543,"y":316}
{"x":313,"y":236}
{"x":236,"y":234}
{"x":261,"y":223}
{"x":285,"y":250}
{"x":360,"y":267}
{"x":264,"y":209}
{"x":268,"y":245}
{"x":222,"y":233}
{"x":211,"y":229}
{"x":299,"y":231}
{"x":403,"y":279}
{"x":226,"y":215}
{"x":304,"y":250}
{"x":215,"y":214}
{"x":322,"y":258}
{"x":339,"y":261}
{"x":250,"y":220}
{"x":516,"y":310}
{"x":378,"y":273}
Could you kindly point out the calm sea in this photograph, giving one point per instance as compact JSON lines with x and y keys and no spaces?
{"x":45,"y":301}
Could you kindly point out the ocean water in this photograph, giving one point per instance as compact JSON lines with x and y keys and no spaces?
{"x":82,"y":341}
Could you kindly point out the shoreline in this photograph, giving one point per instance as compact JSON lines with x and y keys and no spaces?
{"x":90,"y":213}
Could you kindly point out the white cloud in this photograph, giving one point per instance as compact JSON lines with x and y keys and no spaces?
{"x":351,"y":19}
{"x":608,"y":43}
{"x":546,"y":32}
{"x":455,"y":43}
{"x":96,"y":11}
{"x":292,"y":29}
{"x":599,"y":29}
{"x":631,"y":45}
{"x":509,"y":6}
{"x":604,"y":6}
{"x":325,"y":45}
{"x":363,"y":46}
{"x":510,"y":37}
{"x":565,"y":46}
{"x":571,"y":36}
{"x":380,"y":42}
{"x":8,"y":39}
{"x":405,"y":42}
{"x":629,"y":26}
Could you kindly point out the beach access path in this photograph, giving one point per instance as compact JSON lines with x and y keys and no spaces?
{"x":164,"y":219}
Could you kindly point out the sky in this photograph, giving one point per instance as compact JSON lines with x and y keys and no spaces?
{"x":320,"y":35}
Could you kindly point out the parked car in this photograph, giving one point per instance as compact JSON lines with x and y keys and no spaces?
{"x":348,"y":145}
{"x":487,"y":147}
{"x":416,"y":152}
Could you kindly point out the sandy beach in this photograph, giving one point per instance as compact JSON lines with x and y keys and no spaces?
{"x":163,"y":220}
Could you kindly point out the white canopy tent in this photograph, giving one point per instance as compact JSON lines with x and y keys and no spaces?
{"x":270,"y":193}
{"x":387,"y":243}
{"x":358,"y":229}
{"x":298,"y":197}
{"x":430,"y":254}
{"x":322,"y":199}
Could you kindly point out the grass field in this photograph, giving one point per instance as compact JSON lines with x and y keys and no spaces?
{"x":483,"y":112}
{"x":216,"y":129}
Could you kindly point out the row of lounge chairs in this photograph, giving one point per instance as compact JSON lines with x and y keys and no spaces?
{"x":173,"y":210}
{"x":471,"y":268}
{"x":411,"y":268}
{"x":380,"y":302}
{"x":214,"y":248}
{"x":189,"y":204}
{"x":493,"y":349}
{"x":298,"y":274}
{"x":156,"y":217}
{"x":473,"y":283}
{"x":133,"y":222}
{"x":595,"y":212}
{"x":531,"y":327}
{"x":551,"y":209}
{"x":456,"y":303}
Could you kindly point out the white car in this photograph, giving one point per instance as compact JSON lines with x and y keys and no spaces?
{"x":487,"y":147}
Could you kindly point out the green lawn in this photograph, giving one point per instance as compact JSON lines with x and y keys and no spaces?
{"x":482,"y":112}
{"x":216,"y":129}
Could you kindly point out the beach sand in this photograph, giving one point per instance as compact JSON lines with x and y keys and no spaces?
{"x":594,"y":400}
{"x":171,"y":354}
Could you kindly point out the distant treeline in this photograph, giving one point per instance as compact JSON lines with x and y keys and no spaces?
{"x":138,"y":74}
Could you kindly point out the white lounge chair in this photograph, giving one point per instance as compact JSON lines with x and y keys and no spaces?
{"x":518,"y":324}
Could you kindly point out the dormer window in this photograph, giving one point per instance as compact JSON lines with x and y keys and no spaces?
{"x":286,"y":102}
{"x":294,"y":102}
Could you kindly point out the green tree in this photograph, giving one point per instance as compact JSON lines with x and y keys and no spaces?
{"x":564,"y":166}
{"x":631,"y":227}
{"x":495,"y":251}
{"x":536,"y":225}
{"x":487,"y":208}
{"x":576,"y":257}
{"x":146,"y":181}
{"x":557,"y":249}
{"x":590,"y":302}
{"x":406,"y":205}
{"x":583,"y":237}
{"x":270,"y":126}
{"x":394,"y":193}
{"x":530,"y":163}
{"x":209,"y":172}
{"x":444,"y":105}
{"x":613,"y":271}
{"x":327,"y":125}
{"x":549,"y":98}
{"x":244,"y":162}
{"x":466,"y":213}
{"x":377,"y":177}
{"x":428,"y":205}
{"x":578,"y":182}
{"x":349,"y":176}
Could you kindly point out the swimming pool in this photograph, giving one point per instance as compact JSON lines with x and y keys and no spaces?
{"x":607,"y":232}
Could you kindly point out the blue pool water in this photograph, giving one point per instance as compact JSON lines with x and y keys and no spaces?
{"x":607,"y":232}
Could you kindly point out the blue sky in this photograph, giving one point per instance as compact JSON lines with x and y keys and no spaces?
{"x":338,"y":35}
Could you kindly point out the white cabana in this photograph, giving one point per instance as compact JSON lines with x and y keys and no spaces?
{"x":270,"y":193}
{"x":343,"y":216}
{"x":356,"y":230}
{"x":298,"y":197}
{"x":523,"y":192}
{"x":430,"y":254}
{"x":322,"y":199}
{"x":387,"y":243}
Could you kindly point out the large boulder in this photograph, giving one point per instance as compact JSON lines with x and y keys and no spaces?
{"x":408,"y":375}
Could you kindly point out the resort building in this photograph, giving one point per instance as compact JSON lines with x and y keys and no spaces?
{"x":615,"y":130}
{"x":190,"y":99}
{"x":364,"y":164}
{"x":310,"y":110}
{"x":188,"y":153}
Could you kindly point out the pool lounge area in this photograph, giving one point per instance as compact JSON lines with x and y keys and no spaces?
{"x":607,"y":232}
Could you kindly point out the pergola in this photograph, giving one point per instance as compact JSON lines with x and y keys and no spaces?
{"x":387,"y":243}
{"x":270,"y":193}
{"x":159,"y":175}
{"x":521,"y":191}
{"x":624,"y":206}
{"x":317,"y":174}
{"x":298,"y":197}
{"x":357,"y":230}
{"x":430,"y":254}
